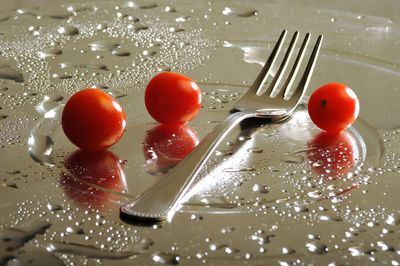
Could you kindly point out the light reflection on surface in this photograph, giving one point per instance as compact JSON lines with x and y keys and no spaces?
{"x":332,"y":155}
{"x":95,"y":179}
{"x":166,"y":145}
{"x":224,"y":172}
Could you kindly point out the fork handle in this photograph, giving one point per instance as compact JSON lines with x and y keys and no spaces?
{"x":160,"y":201}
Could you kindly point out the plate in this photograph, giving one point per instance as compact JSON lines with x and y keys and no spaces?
{"x":272,"y":193}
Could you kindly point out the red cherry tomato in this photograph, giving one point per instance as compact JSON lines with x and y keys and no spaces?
{"x":333,"y":107}
{"x":166,"y":145}
{"x":93,"y":120}
{"x":332,"y":155}
{"x":91,"y":172}
{"x":172,"y":98}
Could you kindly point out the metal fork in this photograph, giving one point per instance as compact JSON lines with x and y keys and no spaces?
{"x":160,"y":201}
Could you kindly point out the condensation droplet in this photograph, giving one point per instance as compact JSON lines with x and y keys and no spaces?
{"x":49,"y":53}
{"x":53,"y":207}
{"x":40,"y":147}
{"x":68,"y":30}
{"x":165,"y":258}
{"x":120,"y":52}
{"x":317,"y":247}
{"x":293,"y":158}
{"x":330,"y":218}
{"x":239,"y":11}
{"x":97,"y":66}
{"x":7,"y":72}
{"x":260,"y":188}
{"x":141,"y":4}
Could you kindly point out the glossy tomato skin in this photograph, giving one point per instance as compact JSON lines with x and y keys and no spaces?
{"x":172,"y":98}
{"x":333,"y":107}
{"x":93,"y":120}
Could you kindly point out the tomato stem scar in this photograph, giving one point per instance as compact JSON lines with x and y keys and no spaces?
{"x":323,"y":102}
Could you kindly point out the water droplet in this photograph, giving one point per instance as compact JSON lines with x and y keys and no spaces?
{"x":393,"y":219}
{"x":229,"y":250}
{"x":149,"y":52}
{"x":356,"y":251}
{"x":137,"y":27}
{"x":141,"y":4}
{"x":245,"y":169}
{"x":169,"y":9}
{"x":211,"y":201}
{"x":53,"y":12}
{"x":55,"y":113}
{"x":319,"y":163}
{"x":293,"y":158}
{"x":11,"y":185}
{"x":68,"y":30}
{"x":196,"y":217}
{"x":4,"y":17}
{"x":49,"y":53}
{"x":40,"y":148}
{"x":97,"y":66}
{"x":317,"y":247}
{"x":301,"y":209}
{"x":244,"y":138}
{"x":74,"y":230}
{"x":120,"y":52}
{"x":164,"y":69}
{"x":7,"y":72}
{"x":175,"y":29}
{"x":49,"y":102}
{"x":227,"y":229}
{"x":101,"y":26}
{"x":255,"y":150}
{"x":288,"y":250}
{"x":260,"y":188}
{"x":105,"y":45}
{"x":90,"y":251}
{"x":165,"y":258}
{"x":330,"y":218}
{"x":216,"y":246}
{"x":239,"y":11}
{"x":54,"y":207}
{"x":13,"y":238}
{"x":384,"y":246}
{"x":80,"y":8}
{"x":182,"y":18}
{"x":35,"y":258}
{"x":144,"y":244}
{"x":62,"y":76}
{"x":314,"y":194}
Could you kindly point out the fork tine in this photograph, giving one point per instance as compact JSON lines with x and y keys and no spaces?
{"x":305,"y":79}
{"x":279,"y":74}
{"x":295,"y":68}
{"x":262,"y":76}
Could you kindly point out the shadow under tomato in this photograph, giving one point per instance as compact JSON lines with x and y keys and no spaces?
{"x":93,"y":178}
{"x":332,"y":156}
{"x":166,"y":145}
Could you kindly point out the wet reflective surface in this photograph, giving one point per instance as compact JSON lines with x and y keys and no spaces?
{"x":272,"y":193}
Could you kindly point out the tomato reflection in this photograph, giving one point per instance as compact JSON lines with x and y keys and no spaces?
{"x":92,"y":178}
{"x":332,"y":155}
{"x":166,"y":145}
